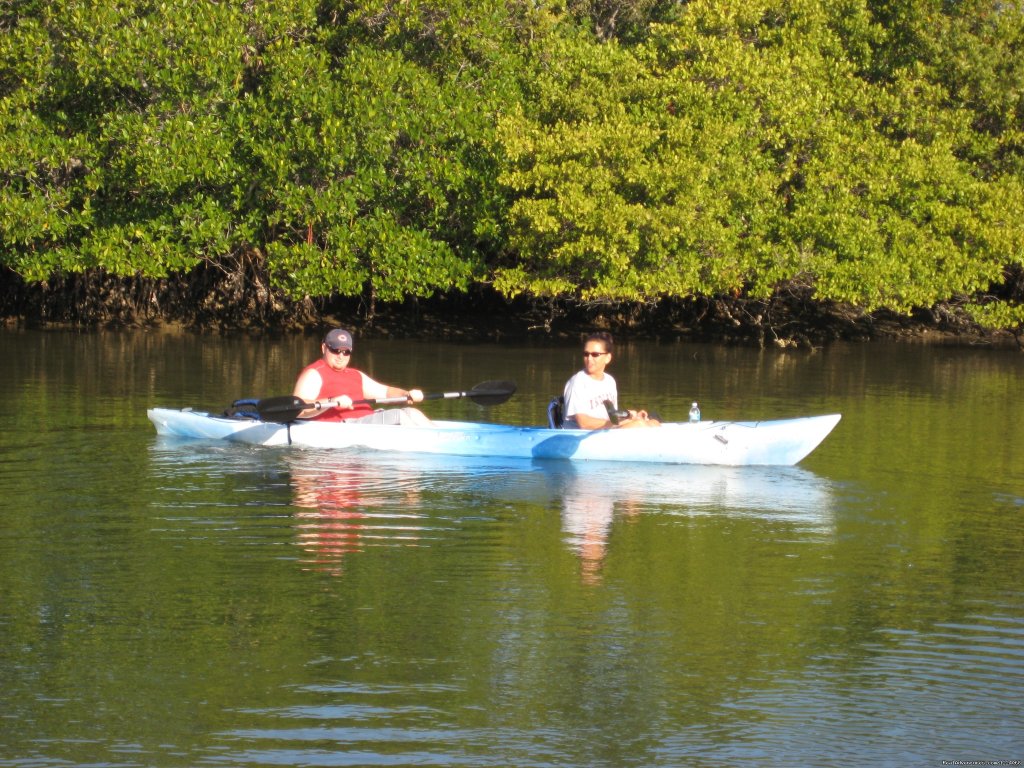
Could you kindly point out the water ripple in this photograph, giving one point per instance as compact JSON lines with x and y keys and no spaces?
{"x":913,"y":677}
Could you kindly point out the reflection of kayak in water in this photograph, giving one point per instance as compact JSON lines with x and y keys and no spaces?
{"x":731,"y":443}
{"x":780,"y":493}
{"x":594,"y":499}
{"x":361,"y":481}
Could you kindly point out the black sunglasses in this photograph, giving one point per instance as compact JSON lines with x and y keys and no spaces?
{"x":333,"y":351}
{"x":594,"y":354}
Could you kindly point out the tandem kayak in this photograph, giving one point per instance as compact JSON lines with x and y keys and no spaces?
{"x":731,"y":443}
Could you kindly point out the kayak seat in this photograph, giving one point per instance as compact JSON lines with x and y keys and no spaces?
{"x":556,"y":412}
{"x":243,"y":409}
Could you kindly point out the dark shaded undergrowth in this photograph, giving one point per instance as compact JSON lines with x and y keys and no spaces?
{"x":210,"y":300}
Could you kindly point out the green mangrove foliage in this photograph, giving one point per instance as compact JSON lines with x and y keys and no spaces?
{"x":741,"y":149}
{"x":865,"y":152}
{"x":146,"y":138}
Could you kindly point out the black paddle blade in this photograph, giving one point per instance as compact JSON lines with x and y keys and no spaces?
{"x":492,"y":392}
{"x":281,"y":409}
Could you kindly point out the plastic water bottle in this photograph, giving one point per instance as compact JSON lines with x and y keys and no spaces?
{"x":694,"y":413}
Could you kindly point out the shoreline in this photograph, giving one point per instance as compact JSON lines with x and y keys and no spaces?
{"x":792,"y":319}
{"x":470,"y":329}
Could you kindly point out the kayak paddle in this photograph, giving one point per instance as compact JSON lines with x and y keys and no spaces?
{"x":285,"y":408}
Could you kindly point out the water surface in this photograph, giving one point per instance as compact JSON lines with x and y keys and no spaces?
{"x":176,"y":603}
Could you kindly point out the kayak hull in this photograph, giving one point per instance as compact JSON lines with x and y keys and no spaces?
{"x":732,"y":443}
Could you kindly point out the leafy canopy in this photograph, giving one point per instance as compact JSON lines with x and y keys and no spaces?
{"x":868,"y":151}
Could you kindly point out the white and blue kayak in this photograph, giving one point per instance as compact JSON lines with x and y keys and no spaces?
{"x":732,"y":443}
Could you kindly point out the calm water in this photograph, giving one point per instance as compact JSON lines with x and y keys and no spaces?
{"x":186,"y":604}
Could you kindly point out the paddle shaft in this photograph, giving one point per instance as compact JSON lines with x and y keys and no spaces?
{"x":475,"y":394}
{"x":287,"y":408}
{"x":405,"y":399}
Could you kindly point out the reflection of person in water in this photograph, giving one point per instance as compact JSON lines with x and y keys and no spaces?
{"x":333,"y":507}
{"x":338,"y":503}
{"x":587,"y":515}
{"x":585,"y":522}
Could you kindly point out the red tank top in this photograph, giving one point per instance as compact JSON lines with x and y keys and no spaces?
{"x":335,"y":384}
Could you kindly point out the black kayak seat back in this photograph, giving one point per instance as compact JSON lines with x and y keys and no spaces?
{"x":556,"y":412}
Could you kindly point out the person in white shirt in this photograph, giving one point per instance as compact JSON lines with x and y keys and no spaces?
{"x":586,"y":392}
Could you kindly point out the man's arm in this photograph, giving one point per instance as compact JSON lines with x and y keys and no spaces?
{"x":585,"y":421}
{"x":374,"y":390}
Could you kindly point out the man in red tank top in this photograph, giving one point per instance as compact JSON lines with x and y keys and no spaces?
{"x":330,"y":378}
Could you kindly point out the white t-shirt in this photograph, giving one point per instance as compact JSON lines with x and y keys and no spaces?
{"x":586,"y":395}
